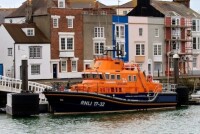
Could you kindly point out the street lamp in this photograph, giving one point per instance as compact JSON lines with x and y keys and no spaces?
{"x":176,"y":68}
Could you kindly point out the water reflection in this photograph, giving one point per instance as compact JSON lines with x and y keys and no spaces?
{"x":185,"y":120}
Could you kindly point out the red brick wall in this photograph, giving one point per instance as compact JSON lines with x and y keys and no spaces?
{"x":77,"y":29}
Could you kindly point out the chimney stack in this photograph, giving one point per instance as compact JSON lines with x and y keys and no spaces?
{"x":184,"y":2}
{"x":29,"y":11}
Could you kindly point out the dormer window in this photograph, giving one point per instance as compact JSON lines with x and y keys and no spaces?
{"x":29,"y":31}
{"x":61,"y":3}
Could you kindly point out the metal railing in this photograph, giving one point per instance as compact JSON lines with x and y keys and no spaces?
{"x":15,"y":86}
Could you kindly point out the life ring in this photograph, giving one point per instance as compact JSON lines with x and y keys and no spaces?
{"x":149,"y":78}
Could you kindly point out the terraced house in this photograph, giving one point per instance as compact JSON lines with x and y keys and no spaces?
{"x":77,"y":31}
{"x":179,"y":25}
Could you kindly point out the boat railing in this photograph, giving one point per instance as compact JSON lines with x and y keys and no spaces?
{"x":169,"y":87}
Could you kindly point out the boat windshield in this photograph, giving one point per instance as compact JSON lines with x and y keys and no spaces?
{"x":92,"y":76}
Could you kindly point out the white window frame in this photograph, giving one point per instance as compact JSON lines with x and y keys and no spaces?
{"x":35,"y":69}
{"x":196,"y":25}
{"x":158,"y":63}
{"x":121,"y":46}
{"x":66,"y":36}
{"x":99,"y":32}
{"x":156,"y":32}
{"x":196,"y":44}
{"x":61,"y":3}
{"x":157,"y":50}
{"x":99,"y":51}
{"x":63,"y":66}
{"x":141,"y":49}
{"x":70,"y":21}
{"x":175,"y":21}
{"x":194,"y":62}
{"x":30,"y":32}
{"x":120,"y":31}
{"x":35,"y":52}
{"x":74,"y":69}
{"x":140,"y":31}
{"x":10,"y":53}
{"x":55,"y":21}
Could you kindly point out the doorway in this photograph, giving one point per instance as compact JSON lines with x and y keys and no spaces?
{"x":55,"y":69}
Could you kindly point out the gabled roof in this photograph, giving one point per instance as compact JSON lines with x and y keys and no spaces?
{"x":18,"y":35}
{"x":174,"y":9}
{"x":162,"y":9}
{"x":40,"y":7}
{"x":127,"y":5}
{"x":5,"y":12}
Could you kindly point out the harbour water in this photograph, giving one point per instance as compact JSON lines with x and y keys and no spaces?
{"x":180,"y":121}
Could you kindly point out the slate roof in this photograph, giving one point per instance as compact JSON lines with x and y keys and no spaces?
{"x":40,"y":7}
{"x":5,"y":12}
{"x":174,"y":8}
{"x":15,"y":30}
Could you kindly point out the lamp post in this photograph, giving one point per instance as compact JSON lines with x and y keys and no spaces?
{"x":176,"y":68}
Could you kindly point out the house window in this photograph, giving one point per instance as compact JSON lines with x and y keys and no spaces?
{"x":140,"y":49}
{"x":99,"y":32}
{"x":103,"y":13}
{"x":61,"y":3}
{"x":64,"y":66}
{"x":195,"y":25}
{"x":140,"y":31}
{"x":35,"y":69}
{"x":67,"y":43}
{"x":120,"y":31}
{"x":156,"y":32}
{"x":74,"y":65}
{"x":175,"y":45}
{"x":10,"y":52}
{"x":194,"y":62}
{"x":30,"y":32}
{"x":121,"y":47}
{"x":158,"y":66}
{"x":35,"y":52}
{"x":70,"y":21}
{"x":175,"y":21}
{"x":157,"y":49}
{"x":196,"y":43}
{"x":55,"y":21}
{"x":98,"y":48}
{"x":125,"y":12}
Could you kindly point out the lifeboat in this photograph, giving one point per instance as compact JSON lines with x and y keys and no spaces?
{"x":111,"y":86}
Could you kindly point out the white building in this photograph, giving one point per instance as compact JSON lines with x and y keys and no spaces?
{"x":18,"y":40}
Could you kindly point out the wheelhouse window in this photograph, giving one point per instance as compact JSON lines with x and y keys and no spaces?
{"x":140,"y":49}
{"x":120,"y":31}
{"x":129,"y":78}
{"x":107,"y":76}
{"x":35,"y":69}
{"x":118,"y":77}
{"x":92,"y":76}
{"x":35,"y":52}
{"x":112,"y":77}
